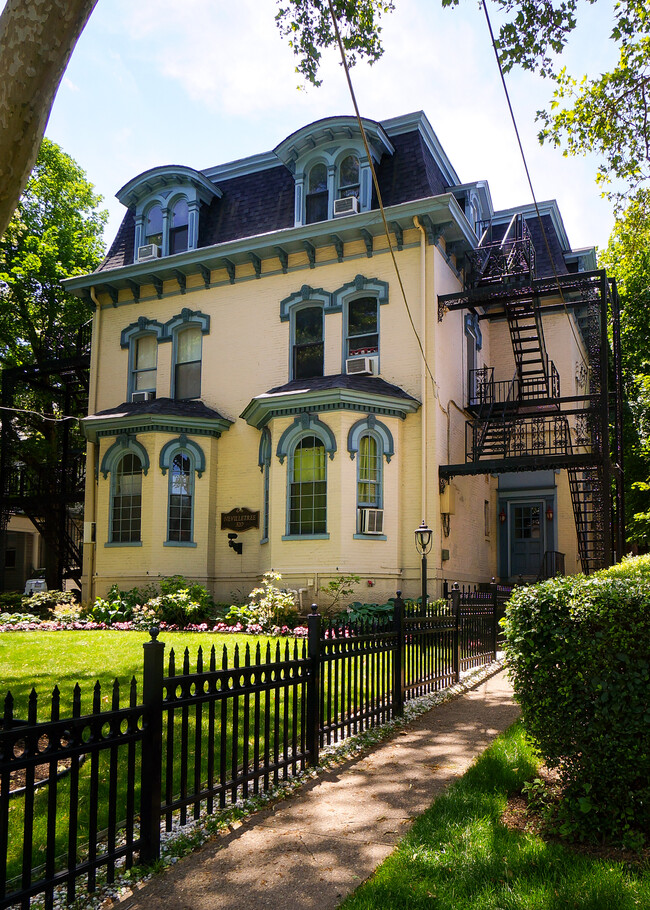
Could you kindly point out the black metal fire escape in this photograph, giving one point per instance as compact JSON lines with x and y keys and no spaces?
{"x":525,"y":423}
{"x":50,"y":495}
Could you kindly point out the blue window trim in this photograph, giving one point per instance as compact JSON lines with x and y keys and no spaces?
{"x":360,"y":286}
{"x":293,"y":436}
{"x":186,"y":319}
{"x":304,"y":425}
{"x":124,"y":443}
{"x":181,"y":446}
{"x":370,"y":424}
{"x":170,"y":449}
{"x":264,"y":462}
{"x":306,"y":296}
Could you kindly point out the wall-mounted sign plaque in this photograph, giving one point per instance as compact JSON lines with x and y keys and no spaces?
{"x":239,"y":520}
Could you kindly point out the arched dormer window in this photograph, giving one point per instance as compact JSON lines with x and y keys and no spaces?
{"x":317,"y":199}
{"x":349,"y":177}
{"x":178,"y":227}
{"x":329,"y":161}
{"x":166,"y":201}
{"x":154,"y":226}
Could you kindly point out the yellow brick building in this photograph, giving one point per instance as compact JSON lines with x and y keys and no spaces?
{"x":276,"y":383}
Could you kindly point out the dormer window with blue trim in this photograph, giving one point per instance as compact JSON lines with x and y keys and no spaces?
{"x":330,"y":164}
{"x":154,"y":226}
{"x":179,"y":227}
{"x":166,"y":202}
{"x":317,"y":200}
{"x":349,"y":177}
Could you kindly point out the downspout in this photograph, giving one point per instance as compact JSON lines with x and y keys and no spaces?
{"x":423,"y":371}
{"x":90,"y":515}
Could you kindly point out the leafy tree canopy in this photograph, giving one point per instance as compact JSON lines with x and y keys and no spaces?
{"x":308,"y":26}
{"x":607,"y":113}
{"x":627,"y":258}
{"x":55,"y":232}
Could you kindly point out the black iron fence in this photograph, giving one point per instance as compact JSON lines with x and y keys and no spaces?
{"x":83,"y":794}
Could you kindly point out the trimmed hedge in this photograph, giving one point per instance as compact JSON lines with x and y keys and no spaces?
{"x":578,"y":650}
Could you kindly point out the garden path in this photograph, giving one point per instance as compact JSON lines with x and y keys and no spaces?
{"x":313,"y":849}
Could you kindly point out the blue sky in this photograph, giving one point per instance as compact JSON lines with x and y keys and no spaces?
{"x":203,"y":82}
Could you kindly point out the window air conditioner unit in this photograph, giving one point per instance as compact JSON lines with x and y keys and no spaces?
{"x":348,"y":205}
{"x":371,"y":521}
{"x":142,"y":396}
{"x":148,"y":251}
{"x":361,"y":366}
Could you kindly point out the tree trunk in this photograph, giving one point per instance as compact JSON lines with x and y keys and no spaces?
{"x":37,"y":38}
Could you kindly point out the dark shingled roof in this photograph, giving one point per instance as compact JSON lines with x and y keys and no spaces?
{"x":369,"y":384}
{"x":167,"y":407}
{"x":262,"y":202}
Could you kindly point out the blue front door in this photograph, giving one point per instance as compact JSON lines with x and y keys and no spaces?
{"x":526,"y":538}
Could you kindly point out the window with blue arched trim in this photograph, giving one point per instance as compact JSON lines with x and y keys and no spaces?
{"x":179,"y":227}
{"x":317,"y":199}
{"x":369,"y":480}
{"x":126,"y":499}
{"x":307,"y":506}
{"x":348,"y":174}
{"x":181,"y":496}
{"x":153,"y":231}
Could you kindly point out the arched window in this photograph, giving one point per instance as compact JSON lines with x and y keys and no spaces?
{"x":144,"y":364}
{"x":187,"y":362}
{"x":349,"y":177}
{"x":126,"y":500}
{"x":154,"y":226}
{"x":307,"y":487}
{"x":178,"y":230}
{"x":181,"y":489}
{"x":369,"y":492}
{"x":308,"y":349}
{"x":317,"y":195}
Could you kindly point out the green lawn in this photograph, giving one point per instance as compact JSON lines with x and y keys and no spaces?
{"x":459,"y":856}
{"x":43,"y":660}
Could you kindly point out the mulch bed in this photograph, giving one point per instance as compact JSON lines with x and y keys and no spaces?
{"x":519,"y":816}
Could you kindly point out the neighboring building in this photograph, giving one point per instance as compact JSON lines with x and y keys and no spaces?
{"x":256,"y":372}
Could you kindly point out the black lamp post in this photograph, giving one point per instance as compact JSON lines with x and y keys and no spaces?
{"x":423,"y":542}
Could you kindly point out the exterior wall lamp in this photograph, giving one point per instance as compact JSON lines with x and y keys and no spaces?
{"x":549,"y":513}
{"x":502,"y":516}
{"x":237,"y":546}
{"x":423,"y":543}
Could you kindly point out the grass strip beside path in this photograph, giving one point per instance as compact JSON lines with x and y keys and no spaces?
{"x":459,"y":856}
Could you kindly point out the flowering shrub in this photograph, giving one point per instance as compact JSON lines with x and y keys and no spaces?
{"x":42,"y":603}
{"x":177,"y":608}
{"x":268,"y":607}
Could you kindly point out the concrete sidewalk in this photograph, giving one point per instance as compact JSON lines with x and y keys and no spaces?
{"x":313,"y":849}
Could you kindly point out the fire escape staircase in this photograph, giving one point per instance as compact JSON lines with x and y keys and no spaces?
{"x":530,"y":411}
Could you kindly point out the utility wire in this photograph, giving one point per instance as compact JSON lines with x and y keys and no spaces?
{"x":38,"y":414}
{"x":377,"y":190}
{"x":530,"y":182}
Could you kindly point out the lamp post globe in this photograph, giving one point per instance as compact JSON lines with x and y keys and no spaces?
{"x":423,"y":543}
